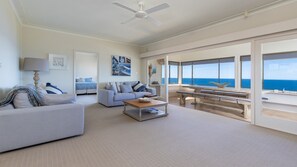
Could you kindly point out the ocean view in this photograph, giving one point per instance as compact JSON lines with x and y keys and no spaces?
{"x":289,"y":85}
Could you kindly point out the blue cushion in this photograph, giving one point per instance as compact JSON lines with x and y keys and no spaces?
{"x":139,"y":87}
{"x":88,"y":79}
{"x":126,"y":88}
{"x":50,"y":89}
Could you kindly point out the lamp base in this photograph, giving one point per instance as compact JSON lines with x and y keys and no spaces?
{"x":36,"y":78}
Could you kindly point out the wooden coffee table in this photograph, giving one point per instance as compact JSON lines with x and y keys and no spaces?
{"x":141,"y":112}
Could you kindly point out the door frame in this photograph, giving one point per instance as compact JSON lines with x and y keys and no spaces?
{"x":257,"y":72}
{"x":75,"y":67}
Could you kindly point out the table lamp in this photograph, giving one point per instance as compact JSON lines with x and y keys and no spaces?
{"x":36,"y":65}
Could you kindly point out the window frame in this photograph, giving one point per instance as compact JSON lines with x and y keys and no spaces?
{"x":191,"y":64}
{"x":169,"y":70}
{"x":207,"y":61}
{"x":276,"y":54}
{"x":249,"y":57}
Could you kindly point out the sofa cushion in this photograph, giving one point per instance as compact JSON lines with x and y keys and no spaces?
{"x":21,"y":100}
{"x":126,"y":88}
{"x":124,"y":96}
{"x":140,"y":94}
{"x":7,"y":107}
{"x":55,"y":99}
{"x":51,"y":89}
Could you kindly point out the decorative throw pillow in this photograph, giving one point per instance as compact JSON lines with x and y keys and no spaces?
{"x":126,"y":88}
{"x":21,"y":100}
{"x":118,"y":86}
{"x":111,"y":86}
{"x":50,"y":89}
{"x":139,"y":87}
{"x":88,"y":79}
{"x":79,"y":80}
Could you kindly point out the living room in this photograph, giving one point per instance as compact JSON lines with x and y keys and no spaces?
{"x":186,"y":135}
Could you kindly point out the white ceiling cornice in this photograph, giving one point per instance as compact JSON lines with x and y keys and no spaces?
{"x":79,"y":35}
{"x":15,"y":10}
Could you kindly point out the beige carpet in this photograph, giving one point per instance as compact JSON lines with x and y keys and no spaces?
{"x":185,"y":138}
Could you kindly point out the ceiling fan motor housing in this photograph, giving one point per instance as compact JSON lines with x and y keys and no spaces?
{"x":140,"y":14}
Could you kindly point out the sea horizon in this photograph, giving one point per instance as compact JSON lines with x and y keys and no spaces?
{"x":268,"y":84}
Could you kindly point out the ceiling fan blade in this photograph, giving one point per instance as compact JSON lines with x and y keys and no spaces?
{"x":157,"y":8}
{"x":125,"y":7}
{"x":154,"y":21}
{"x":127,"y":21}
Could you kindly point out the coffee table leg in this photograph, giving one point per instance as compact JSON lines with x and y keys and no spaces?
{"x":166,"y":109}
{"x":124,"y":107}
{"x":140,"y":114}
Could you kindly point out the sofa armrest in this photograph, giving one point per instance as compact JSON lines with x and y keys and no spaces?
{"x":151,"y":90}
{"x":29,"y":126}
{"x":106,"y":97}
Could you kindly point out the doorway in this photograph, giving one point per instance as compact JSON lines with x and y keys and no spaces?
{"x":86,"y":66}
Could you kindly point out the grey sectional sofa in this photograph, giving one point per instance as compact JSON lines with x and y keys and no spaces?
{"x":30,"y":126}
{"x":110,"y":98}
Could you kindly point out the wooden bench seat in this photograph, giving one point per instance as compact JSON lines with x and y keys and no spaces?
{"x":222,"y":99}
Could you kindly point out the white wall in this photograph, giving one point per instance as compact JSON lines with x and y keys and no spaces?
{"x":86,"y":65}
{"x":9,"y":48}
{"x":228,"y":51}
{"x":40,"y":42}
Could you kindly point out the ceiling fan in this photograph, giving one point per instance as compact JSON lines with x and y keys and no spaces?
{"x":141,"y":13}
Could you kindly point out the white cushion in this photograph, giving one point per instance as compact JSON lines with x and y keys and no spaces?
{"x":21,"y":100}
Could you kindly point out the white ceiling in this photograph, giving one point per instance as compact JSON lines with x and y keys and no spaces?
{"x":100,"y":18}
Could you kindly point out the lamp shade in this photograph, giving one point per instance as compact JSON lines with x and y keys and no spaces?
{"x":36,"y":64}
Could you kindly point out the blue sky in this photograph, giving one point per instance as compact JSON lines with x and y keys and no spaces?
{"x":282,"y":69}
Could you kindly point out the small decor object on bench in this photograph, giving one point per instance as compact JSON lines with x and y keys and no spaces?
{"x":144,"y":100}
{"x":220,"y":85}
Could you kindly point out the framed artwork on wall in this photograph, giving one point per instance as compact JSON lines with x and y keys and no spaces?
{"x":121,"y":65}
{"x":57,"y":62}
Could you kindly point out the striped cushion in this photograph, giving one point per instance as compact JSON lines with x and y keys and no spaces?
{"x":50,"y":89}
{"x":139,"y":87}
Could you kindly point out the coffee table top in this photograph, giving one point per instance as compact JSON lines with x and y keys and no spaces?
{"x":137,"y":104}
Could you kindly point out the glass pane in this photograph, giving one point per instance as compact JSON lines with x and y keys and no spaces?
{"x":173,"y":73}
{"x":227,"y":73}
{"x":163,"y":74}
{"x":246,"y":74}
{"x":280,"y":74}
{"x":187,"y":74}
{"x":204,"y":74}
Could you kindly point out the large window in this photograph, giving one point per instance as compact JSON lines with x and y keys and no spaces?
{"x":173,"y":72}
{"x":187,"y":73}
{"x":204,"y":72}
{"x":280,"y":71}
{"x":227,"y":71}
{"x":245,"y":71}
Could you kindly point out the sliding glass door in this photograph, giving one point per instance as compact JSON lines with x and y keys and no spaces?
{"x":275,"y":81}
